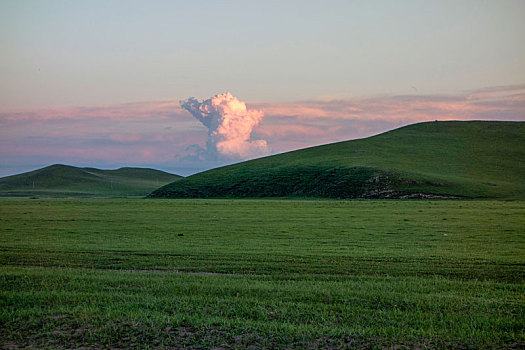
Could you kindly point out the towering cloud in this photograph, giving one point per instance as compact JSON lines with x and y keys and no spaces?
{"x":229,"y":125}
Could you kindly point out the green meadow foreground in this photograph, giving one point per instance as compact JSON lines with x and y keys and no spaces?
{"x":262,"y":273}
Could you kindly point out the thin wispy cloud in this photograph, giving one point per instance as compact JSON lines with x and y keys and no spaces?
{"x":508,"y":101}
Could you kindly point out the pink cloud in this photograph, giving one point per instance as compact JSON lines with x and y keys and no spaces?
{"x":229,"y":125}
{"x":160,"y":109}
{"x":160,"y":132}
{"x":126,"y":138}
{"x":286,"y":130}
{"x":500,"y":102}
{"x":135,"y":155}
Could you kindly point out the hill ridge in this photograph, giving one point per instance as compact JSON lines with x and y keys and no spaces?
{"x":67,"y":180}
{"x":451,"y":159}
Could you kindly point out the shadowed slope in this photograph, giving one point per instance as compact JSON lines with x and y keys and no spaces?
{"x":425,"y":160}
{"x":59,"y":180}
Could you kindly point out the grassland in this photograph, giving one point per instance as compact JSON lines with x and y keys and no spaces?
{"x":60,"y":180}
{"x":262,"y":273}
{"x":434,"y":159}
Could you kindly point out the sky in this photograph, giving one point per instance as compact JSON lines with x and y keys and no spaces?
{"x":100,"y":83}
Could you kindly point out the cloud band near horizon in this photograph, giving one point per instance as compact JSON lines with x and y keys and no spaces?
{"x":162,"y":135}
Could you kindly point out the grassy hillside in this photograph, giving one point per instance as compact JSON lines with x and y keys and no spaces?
{"x":432,"y":159}
{"x":64,"y":180}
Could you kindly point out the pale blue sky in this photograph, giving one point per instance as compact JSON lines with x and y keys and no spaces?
{"x":98,"y":83}
{"x":74,"y":53}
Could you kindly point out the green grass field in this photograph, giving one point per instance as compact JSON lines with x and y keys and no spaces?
{"x":68,"y":181}
{"x":262,"y":273}
{"x":474,"y":159}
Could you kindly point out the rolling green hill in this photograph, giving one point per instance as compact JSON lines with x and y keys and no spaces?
{"x":474,"y":159}
{"x":65,"y":180}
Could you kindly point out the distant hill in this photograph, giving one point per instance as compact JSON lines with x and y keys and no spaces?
{"x":65,"y":180}
{"x":426,"y":160}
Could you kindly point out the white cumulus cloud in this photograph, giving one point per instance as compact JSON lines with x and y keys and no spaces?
{"x":230,"y":125}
